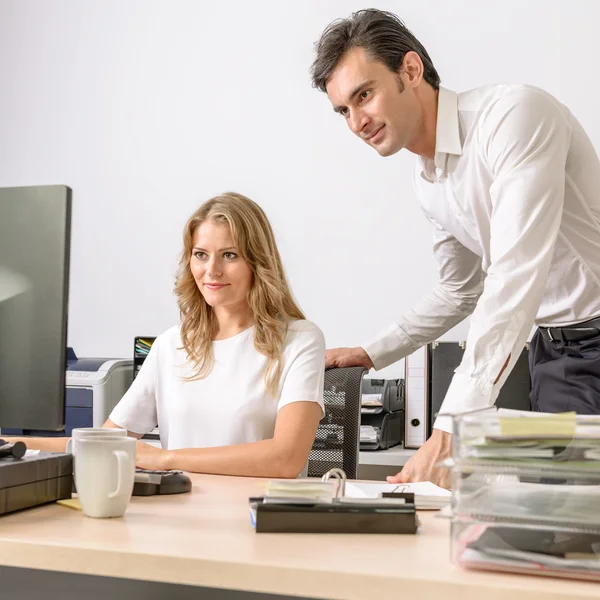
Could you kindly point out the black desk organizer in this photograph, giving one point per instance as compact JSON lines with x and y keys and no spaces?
{"x":141,"y":348}
{"x":388,"y":419}
{"x":34,"y":480}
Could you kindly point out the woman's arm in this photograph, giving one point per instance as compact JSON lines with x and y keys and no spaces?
{"x":56,"y":444}
{"x":284,"y":455}
{"x":45,"y":444}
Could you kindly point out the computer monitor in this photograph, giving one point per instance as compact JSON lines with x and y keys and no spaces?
{"x":35,"y":232}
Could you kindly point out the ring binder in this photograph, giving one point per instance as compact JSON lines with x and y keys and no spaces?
{"x":306,"y":514}
{"x":341,"y":476}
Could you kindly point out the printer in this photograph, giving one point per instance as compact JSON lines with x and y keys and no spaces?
{"x":93,"y":388}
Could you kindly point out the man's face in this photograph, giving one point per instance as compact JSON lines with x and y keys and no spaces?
{"x":379,"y":105}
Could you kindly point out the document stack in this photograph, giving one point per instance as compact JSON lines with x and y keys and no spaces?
{"x":526,"y":493}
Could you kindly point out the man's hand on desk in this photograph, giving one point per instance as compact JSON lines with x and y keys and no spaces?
{"x":421,"y":466}
{"x":347,"y":357}
{"x":151,"y":457}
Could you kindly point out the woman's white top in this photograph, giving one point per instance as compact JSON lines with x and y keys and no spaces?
{"x":229,"y":406}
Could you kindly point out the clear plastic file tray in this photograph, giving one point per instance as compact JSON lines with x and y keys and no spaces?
{"x":526,"y":493}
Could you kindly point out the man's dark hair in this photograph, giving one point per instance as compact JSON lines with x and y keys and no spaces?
{"x":383,"y":36}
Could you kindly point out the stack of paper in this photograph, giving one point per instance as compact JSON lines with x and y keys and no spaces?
{"x":571,"y":554}
{"x":368,"y":434}
{"x":540,"y":502}
{"x":371,"y":404}
{"x":536,"y":439}
{"x":371,"y":400}
{"x":142,"y":346}
{"x":428,"y":496}
{"x":319,"y":491}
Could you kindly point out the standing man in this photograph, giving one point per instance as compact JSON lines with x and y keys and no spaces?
{"x":511,"y":185}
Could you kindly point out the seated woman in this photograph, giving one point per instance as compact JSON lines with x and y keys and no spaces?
{"x":237,"y":387}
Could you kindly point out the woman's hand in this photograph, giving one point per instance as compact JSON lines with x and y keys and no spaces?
{"x":151,"y":457}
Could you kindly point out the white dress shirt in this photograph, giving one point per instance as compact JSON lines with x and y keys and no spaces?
{"x":513,"y":194}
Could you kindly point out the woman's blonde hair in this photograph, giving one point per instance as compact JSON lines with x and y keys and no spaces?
{"x":270,"y":299}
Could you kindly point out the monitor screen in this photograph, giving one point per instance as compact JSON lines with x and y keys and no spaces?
{"x":35,"y":228}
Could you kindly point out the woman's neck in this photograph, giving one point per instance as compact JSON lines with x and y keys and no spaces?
{"x":231,"y":321}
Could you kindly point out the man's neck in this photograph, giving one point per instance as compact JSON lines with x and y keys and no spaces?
{"x":424,"y":140}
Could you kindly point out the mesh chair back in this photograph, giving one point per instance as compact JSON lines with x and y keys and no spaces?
{"x":337,"y":440}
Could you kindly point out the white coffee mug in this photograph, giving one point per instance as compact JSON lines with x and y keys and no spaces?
{"x":105,"y":472}
{"x":81,"y":432}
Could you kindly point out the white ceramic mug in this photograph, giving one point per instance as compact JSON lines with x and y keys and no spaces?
{"x":81,"y":432}
{"x":105,"y":472}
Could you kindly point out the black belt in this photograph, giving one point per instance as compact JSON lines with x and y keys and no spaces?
{"x":572,"y":333}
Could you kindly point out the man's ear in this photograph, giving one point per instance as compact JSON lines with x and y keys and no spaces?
{"x":412,"y":69}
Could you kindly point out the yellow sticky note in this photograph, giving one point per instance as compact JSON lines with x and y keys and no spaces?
{"x":559,"y":425}
{"x":70,"y":503}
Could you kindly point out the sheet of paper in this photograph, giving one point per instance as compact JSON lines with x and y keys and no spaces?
{"x":428,"y":496}
{"x":375,"y":489}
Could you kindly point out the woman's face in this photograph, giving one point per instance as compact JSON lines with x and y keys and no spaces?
{"x":223,"y":277}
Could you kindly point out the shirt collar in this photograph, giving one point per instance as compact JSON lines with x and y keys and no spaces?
{"x":447,"y":135}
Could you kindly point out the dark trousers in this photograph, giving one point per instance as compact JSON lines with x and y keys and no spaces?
{"x":565,"y":376}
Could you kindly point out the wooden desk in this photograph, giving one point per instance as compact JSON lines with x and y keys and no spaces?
{"x":205,"y":539}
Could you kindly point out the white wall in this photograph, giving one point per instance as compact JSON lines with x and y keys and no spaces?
{"x":146,"y":108}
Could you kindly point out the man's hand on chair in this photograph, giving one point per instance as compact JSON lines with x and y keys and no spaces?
{"x":421,"y":466}
{"x":347,"y":357}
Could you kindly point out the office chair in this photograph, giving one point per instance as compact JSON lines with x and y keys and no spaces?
{"x":337,"y":440}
